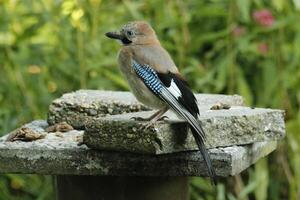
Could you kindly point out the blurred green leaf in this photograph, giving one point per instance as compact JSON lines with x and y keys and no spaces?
{"x":261,"y":178}
{"x":221,"y":192}
{"x":279,"y":4}
{"x":297,"y":4}
{"x":243,"y":88}
{"x":244,"y":7}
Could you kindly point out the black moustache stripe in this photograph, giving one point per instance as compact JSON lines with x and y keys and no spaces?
{"x":126,"y":41}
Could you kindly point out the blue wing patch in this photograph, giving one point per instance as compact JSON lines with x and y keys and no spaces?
{"x":149,"y":77}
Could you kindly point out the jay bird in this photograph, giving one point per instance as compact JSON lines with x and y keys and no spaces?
{"x":155,"y":80}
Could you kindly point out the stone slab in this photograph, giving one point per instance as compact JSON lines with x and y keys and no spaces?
{"x":236,"y":126}
{"x":59,"y":154}
{"x":77,"y":108}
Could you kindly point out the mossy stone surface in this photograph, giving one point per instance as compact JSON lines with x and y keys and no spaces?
{"x":61,"y":154}
{"x":78,"y":107}
{"x":236,"y":126}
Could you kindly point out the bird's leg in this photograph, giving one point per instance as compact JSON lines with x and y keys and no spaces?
{"x":146,"y":118}
{"x":157,"y":113}
{"x":156,"y":117}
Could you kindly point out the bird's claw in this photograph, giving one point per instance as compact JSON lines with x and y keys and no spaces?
{"x":139,"y":119}
{"x":147,"y":125}
{"x":163,"y":118}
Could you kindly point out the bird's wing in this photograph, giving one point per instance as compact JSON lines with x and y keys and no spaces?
{"x":176,"y":84}
{"x":172,"y":90}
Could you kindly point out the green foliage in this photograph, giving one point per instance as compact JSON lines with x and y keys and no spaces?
{"x":51,"y":47}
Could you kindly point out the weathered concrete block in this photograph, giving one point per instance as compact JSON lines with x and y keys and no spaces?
{"x":236,"y":126}
{"x":59,"y":154}
{"x":79,"y":107}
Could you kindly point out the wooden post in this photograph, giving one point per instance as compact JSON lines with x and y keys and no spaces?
{"x":121,"y":188}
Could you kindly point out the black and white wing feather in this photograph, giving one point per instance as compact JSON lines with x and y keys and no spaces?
{"x":174,"y":91}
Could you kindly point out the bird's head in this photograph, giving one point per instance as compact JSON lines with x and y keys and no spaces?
{"x":135,"y":33}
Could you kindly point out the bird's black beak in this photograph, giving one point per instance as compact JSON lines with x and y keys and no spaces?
{"x":114,"y":35}
{"x":118,"y":36}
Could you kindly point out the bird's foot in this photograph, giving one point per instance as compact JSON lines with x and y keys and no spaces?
{"x":152,"y":122}
{"x":139,"y":119}
{"x":147,"y":118}
{"x":163,"y":118}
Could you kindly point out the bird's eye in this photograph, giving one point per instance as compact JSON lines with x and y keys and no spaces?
{"x":129,"y":33}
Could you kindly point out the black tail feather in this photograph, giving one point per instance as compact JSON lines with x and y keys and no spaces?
{"x":204,"y":153}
